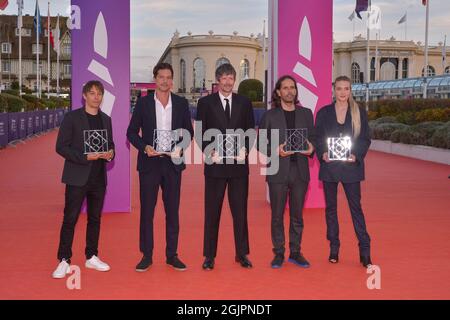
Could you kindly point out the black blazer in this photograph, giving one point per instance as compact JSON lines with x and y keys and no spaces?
{"x":212,"y":115}
{"x":275,"y":119}
{"x":144,"y":118}
{"x":327,"y":126}
{"x":70,"y":145}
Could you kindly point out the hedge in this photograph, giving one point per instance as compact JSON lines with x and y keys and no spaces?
{"x":252,"y":89}
{"x":430,"y":133}
{"x":14,"y":103}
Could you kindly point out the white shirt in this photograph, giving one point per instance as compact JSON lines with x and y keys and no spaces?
{"x":224,"y":103}
{"x":163,"y":121}
{"x":163,"y":115}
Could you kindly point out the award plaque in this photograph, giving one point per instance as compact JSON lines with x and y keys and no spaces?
{"x":95,"y":141}
{"x":164,"y":141}
{"x":228,"y":145}
{"x":339,"y":148}
{"x":296,"y":140}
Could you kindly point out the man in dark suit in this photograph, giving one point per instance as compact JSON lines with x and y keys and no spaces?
{"x":84,"y":175}
{"x":161,"y":110}
{"x":292,"y":176}
{"x":226,"y":112}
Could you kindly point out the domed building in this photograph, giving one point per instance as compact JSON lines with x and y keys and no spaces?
{"x":195,"y":58}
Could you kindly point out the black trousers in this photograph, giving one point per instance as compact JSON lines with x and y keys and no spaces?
{"x":170,"y":181}
{"x":278,"y":192}
{"x":353,"y":194}
{"x":237,"y":198}
{"x":94,"y":192}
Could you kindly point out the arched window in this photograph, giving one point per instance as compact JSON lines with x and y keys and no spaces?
{"x":199,"y":72}
{"x":244,"y":69}
{"x":183,"y":75}
{"x":405,"y":68}
{"x":431,"y":71}
{"x":372,"y":69}
{"x":355,"y":73}
{"x":221,"y":61}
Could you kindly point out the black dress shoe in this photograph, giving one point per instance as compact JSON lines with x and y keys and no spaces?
{"x":365,"y":260}
{"x":176,"y":263}
{"x":144,"y":264}
{"x":208,"y":264}
{"x":244,"y":262}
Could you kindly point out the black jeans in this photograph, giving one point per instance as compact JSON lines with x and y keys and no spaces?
{"x":353,"y":194}
{"x":74,"y":197}
{"x":296,"y":188}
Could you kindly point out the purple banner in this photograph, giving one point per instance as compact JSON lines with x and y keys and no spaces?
{"x":30,"y":123}
{"x":51,"y":119}
{"x":13,"y":126}
{"x":4,"y":129}
{"x":60,"y":113}
{"x":37,"y":121}
{"x":44,"y":120}
{"x":101,"y":51}
{"x":22,"y":125}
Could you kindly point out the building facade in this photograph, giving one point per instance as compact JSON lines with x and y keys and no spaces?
{"x":195,"y":58}
{"x":389,"y":60}
{"x":9,"y":42}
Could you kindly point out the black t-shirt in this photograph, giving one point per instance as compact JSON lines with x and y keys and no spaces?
{"x":290,"y":124}
{"x":98,"y":166}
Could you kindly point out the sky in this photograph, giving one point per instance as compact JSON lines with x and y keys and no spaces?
{"x":153,"y":22}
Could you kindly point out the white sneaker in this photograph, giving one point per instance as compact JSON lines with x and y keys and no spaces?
{"x":62,"y":269}
{"x":97,"y":264}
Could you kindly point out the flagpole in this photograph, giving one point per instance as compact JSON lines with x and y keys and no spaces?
{"x":406,"y":26}
{"x":48,"y":51}
{"x":20,"y":4}
{"x":264,"y":61}
{"x":444,"y":55}
{"x":57,"y":57}
{"x":37,"y":48}
{"x":426,"y":50}
{"x":368,"y":56}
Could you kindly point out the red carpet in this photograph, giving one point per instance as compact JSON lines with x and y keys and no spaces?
{"x":406,"y":204}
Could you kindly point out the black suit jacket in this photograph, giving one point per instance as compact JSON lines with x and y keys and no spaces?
{"x":70,"y":145}
{"x":144,"y":118}
{"x":327,"y":126}
{"x":275,"y":119}
{"x":211,"y":113}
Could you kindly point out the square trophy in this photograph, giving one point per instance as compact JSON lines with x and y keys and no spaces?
{"x":229,"y":145}
{"x":339,"y":148}
{"x":164,"y":141}
{"x":296,"y":140}
{"x":95,"y":141}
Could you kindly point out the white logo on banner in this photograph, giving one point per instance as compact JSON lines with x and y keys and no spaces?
{"x":97,"y":68}
{"x":307,"y":98}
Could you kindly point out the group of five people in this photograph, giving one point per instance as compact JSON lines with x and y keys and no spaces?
{"x":224,"y":111}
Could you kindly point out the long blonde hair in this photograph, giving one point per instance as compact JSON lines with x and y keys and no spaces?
{"x":354,"y":107}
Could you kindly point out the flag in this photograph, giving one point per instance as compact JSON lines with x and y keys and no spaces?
{"x":424,"y":2}
{"x":375,"y":18}
{"x":352,"y":16}
{"x":49,"y":28}
{"x":361,"y":5}
{"x":3,"y":4}
{"x":403,"y":19}
{"x":37,"y":18}
{"x":56,"y":44}
{"x":19,"y":13}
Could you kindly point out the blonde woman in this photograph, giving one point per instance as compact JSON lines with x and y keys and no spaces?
{"x":344,"y":118}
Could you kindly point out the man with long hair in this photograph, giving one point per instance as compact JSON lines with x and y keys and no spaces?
{"x":292,"y":177}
